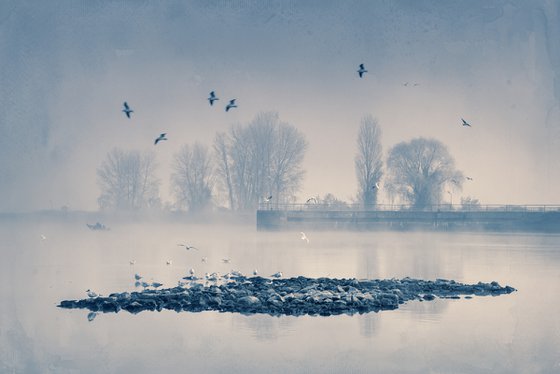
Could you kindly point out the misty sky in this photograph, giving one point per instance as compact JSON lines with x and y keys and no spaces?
{"x":67,"y":66}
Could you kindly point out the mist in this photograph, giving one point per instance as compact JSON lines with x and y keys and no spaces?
{"x":67,"y":67}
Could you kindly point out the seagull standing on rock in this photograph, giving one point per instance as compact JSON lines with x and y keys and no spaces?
{"x":277,"y":275}
{"x":91,"y":294}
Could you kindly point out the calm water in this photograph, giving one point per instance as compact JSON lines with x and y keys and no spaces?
{"x":517,"y":333}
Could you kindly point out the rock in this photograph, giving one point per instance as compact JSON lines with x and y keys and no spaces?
{"x":291,"y":296}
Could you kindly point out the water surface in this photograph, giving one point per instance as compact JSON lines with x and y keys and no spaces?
{"x":516,"y":333}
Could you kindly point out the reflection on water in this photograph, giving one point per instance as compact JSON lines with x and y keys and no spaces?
{"x":511,"y":333}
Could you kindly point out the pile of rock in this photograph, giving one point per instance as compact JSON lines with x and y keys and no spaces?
{"x":293,"y":296}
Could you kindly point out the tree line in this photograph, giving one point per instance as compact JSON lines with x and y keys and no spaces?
{"x":262,"y":160}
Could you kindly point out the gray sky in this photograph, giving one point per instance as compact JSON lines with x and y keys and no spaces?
{"x":67,"y":66}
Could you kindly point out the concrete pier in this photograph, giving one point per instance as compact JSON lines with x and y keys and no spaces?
{"x":545,"y":218}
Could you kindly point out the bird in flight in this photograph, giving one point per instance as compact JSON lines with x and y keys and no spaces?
{"x":231,"y":105}
{"x":212,"y":98}
{"x":469,"y":178}
{"x":204,"y":259}
{"x":465,"y":123}
{"x":132,"y":262}
{"x":362,"y":70}
{"x":311,"y":200}
{"x":43,"y":237}
{"x":304,"y":237}
{"x":127,"y":110}
{"x":376,"y":186}
{"x":160,"y":138}
{"x":226,"y":260}
{"x":187,"y":247}
{"x":169,"y":262}
{"x":267,"y":199}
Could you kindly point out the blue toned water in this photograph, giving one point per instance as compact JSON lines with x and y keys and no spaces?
{"x":516,"y":333}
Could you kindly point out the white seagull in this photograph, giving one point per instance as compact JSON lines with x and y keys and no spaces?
{"x":226,"y":260}
{"x":191,"y":271}
{"x":212,"y":98}
{"x":277,"y":275}
{"x":268,"y":198}
{"x":231,"y":105}
{"x":465,"y":123}
{"x":169,"y":262}
{"x":43,"y":237}
{"x":156,"y":284}
{"x":204,"y":259}
{"x":187,"y":247}
{"x":304,"y":237}
{"x":91,"y":294}
{"x":376,"y":186}
{"x":469,"y":178}
{"x":362,"y":70}
{"x":127,"y":109}
{"x":132,"y":262}
{"x":160,"y":138}
{"x":255,"y":272}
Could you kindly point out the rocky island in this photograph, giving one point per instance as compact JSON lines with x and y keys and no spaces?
{"x":292,"y":296}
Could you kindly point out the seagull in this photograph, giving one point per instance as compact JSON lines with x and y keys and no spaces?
{"x":156,"y":284}
{"x":465,"y":123}
{"x":160,"y":138}
{"x":469,"y":178}
{"x":362,"y":70}
{"x":132,"y":262}
{"x":187,"y":247}
{"x":137,"y":276}
{"x":43,"y":237}
{"x":169,"y":262}
{"x":268,"y":198}
{"x":127,"y":109}
{"x":304,"y":237}
{"x":277,"y":275}
{"x":91,"y":294}
{"x":231,"y":105}
{"x":91,"y":316}
{"x":376,"y":186}
{"x":212,"y":98}
{"x":191,"y":271}
{"x":255,"y":272}
{"x":204,"y":259}
{"x":311,"y":200}
{"x":226,"y":260}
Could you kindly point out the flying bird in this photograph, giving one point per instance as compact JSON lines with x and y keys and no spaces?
{"x":311,"y":200}
{"x":169,"y":262}
{"x":212,"y":98}
{"x":43,"y":237}
{"x":187,"y":247}
{"x":127,"y":109}
{"x":267,"y":199}
{"x":465,"y":123}
{"x":469,"y":178}
{"x":231,"y":105}
{"x":304,"y":237}
{"x":362,"y":70}
{"x":132,"y":262}
{"x":376,"y":186}
{"x":204,"y":259}
{"x":226,"y":260}
{"x":160,"y":138}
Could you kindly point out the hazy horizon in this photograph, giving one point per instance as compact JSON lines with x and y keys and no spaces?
{"x":67,"y":67}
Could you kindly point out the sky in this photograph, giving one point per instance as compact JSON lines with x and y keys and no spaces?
{"x":67,"y":67}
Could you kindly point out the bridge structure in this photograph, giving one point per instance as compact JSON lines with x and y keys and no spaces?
{"x":442,"y":217}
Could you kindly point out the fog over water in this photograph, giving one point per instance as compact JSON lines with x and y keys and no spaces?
{"x":515,"y":333}
{"x":68,"y":66}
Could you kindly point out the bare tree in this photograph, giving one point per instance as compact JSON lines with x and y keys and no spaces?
{"x":260,"y":159}
{"x":128,"y":181}
{"x":368,"y":162}
{"x":192,"y":179}
{"x":420,"y":169}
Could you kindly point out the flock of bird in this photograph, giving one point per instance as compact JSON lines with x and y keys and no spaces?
{"x":214,"y":277}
